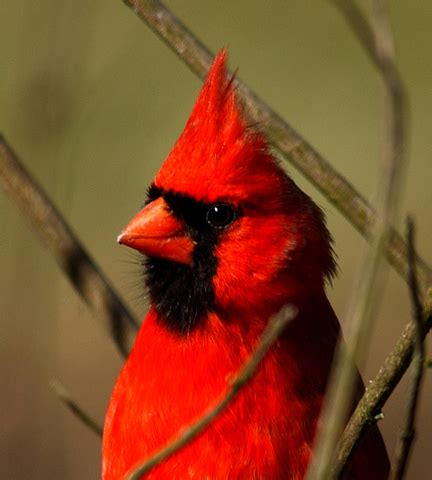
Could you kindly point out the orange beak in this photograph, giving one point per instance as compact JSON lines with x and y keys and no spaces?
{"x":156,"y":232}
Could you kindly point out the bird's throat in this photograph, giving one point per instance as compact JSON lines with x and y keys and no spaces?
{"x":182,"y":295}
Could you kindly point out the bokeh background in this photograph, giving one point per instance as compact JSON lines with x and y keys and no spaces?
{"x":93,"y":101}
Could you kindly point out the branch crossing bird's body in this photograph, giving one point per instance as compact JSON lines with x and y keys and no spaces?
{"x":230,"y":239}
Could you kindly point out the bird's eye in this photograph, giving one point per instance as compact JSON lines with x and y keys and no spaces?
{"x":220,"y":215}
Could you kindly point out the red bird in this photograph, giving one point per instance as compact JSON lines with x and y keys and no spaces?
{"x":229,"y":239}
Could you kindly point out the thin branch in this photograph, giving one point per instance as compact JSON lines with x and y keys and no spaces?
{"x":361,"y":310}
{"x":377,"y":392}
{"x":282,"y":136}
{"x":273,"y":330}
{"x":76,"y":410}
{"x":359,"y":25}
{"x":398,"y":361}
{"x":407,"y":437}
{"x":70,"y":255}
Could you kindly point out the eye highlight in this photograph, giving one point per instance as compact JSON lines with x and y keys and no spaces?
{"x":220,"y":215}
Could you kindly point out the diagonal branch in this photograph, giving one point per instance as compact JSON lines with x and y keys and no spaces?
{"x":271,"y":333}
{"x":407,"y":437}
{"x":282,"y":136}
{"x":70,"y":255}
{"x":74,"y":408}
{"x":359,"y":25}
{"x":377,"y":393}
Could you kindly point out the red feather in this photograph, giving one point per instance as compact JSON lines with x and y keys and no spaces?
{"x":277,"y":251}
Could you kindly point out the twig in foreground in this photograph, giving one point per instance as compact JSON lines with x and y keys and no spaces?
{"x":360,"y":313}
{"x":407,"y":436}
{"x":76,"y":410}
{"x":291,"y":145}
{"x":62,"y":243}
{"x":377,"y":393}
{"x":271,"y":333}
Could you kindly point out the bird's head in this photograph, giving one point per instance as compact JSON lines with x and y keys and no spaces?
{"x":224,"y":227}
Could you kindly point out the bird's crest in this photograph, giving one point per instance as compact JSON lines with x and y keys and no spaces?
{"x":216,"y":150}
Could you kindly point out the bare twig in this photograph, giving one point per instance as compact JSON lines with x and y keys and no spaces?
{"x":71,"y":256}
{"x":282,"y":136}
{"x":76,"y":410}
{"x":271,"y":333}
{"x":359,"y":25}
{"x":377,"y":393}
{"x":360,"y":313}
{"x":407,"y":437}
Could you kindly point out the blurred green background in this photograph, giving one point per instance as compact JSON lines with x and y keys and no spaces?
{"x":92,"y":101}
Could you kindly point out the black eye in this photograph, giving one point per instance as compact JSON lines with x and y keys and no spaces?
{"x":220,"y":215}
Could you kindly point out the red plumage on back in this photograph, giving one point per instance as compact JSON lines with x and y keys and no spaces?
{"x":230,"y":239}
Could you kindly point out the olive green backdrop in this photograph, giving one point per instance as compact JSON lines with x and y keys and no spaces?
{"x":93,"y":102}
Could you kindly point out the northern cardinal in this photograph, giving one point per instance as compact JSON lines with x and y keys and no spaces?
{"x":229,"y":239}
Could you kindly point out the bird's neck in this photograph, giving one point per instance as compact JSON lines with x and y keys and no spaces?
{"x":234,"y":332}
